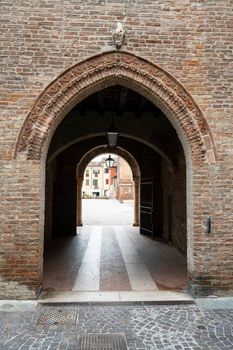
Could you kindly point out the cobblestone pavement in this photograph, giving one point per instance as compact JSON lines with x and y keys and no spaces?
{"x":145,"y":326}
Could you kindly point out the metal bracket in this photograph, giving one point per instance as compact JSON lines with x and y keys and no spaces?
{"x":208,"y":225}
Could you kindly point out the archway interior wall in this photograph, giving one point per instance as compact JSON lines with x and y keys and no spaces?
{"x":166,"y":181}
{"x":171,"y":159}
{"x":81,"y":166}
{"x":173,"y":185}
{"x":68,"y":161}
{"x":170,"y":191}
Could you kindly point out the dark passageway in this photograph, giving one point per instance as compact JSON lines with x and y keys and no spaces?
{"x":149,"y":138}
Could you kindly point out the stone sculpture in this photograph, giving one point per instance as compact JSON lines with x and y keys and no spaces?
{"x":119,"y":35}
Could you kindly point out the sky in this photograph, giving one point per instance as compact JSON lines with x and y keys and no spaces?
{"x":105,"y":155}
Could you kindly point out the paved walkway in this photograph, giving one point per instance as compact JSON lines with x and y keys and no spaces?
{"x":107,"y":212}
{"x":115,"y":259}
{"x":142,"y":326}
{"x":112,"y":258}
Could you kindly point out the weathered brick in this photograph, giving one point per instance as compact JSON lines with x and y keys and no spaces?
{"x":191,"y":40}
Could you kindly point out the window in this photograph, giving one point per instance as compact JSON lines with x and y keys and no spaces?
{"x":107,"y":181}
{"x":87,"y":182}
{"x":95,"y":183}
{"x":106,"y":170}
{"x":87,"y":173}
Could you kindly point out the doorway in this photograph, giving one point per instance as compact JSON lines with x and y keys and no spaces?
{"x":116,"y":258}
{"x":108,"y":192}
{"x":36,"y":143}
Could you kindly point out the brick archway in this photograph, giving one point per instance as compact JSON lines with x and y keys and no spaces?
{"x":160,"y":88}
{"x":108,"y":69}
{"x":135,"y":171}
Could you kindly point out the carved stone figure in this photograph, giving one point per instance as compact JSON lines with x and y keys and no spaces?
{"x":119,"y":35}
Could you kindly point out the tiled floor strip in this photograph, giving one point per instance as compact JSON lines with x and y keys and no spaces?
{"x":113,"y":273}
{"x":139,"y":276}
{"x":88,"y":277}
{"x":62,"y":260}
{"x":112,"y":259}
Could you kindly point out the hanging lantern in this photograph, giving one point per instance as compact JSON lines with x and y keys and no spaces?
{"x":109,"y":162}
{"x":112,"y":136}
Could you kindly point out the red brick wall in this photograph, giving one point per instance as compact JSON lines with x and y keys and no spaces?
{"x":124,"y":180}
{"x":174,"y":203}
{"x":192,"y":40}
{"x":112,"y":173}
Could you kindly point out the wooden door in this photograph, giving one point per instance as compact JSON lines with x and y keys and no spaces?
{"x":146,"y":208}
{"x":157,"y":211}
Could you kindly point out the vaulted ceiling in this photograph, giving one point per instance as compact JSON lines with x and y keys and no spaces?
{"x":134,"y":115}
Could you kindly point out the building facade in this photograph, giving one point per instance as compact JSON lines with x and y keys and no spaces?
{"x":96,"y":180}
{"x":167,"y":79}
{"x":124,"y":181}
{"x":102,"y":182}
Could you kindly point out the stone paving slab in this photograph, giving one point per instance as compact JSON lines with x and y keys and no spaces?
{"x":215,"y":303}
{"x":145,"y":327}
{"x":18,"y":305}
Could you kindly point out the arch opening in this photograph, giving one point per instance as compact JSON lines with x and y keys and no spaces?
{"x":107,"y":193}
{"x":161,"y":180}
{"x":106,"y":70}
{"x":125,"y":177}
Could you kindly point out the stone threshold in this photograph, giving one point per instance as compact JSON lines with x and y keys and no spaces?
{"x":159,"y":297}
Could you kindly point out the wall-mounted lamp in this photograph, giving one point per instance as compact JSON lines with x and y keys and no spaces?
{"x":109,"y":162}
